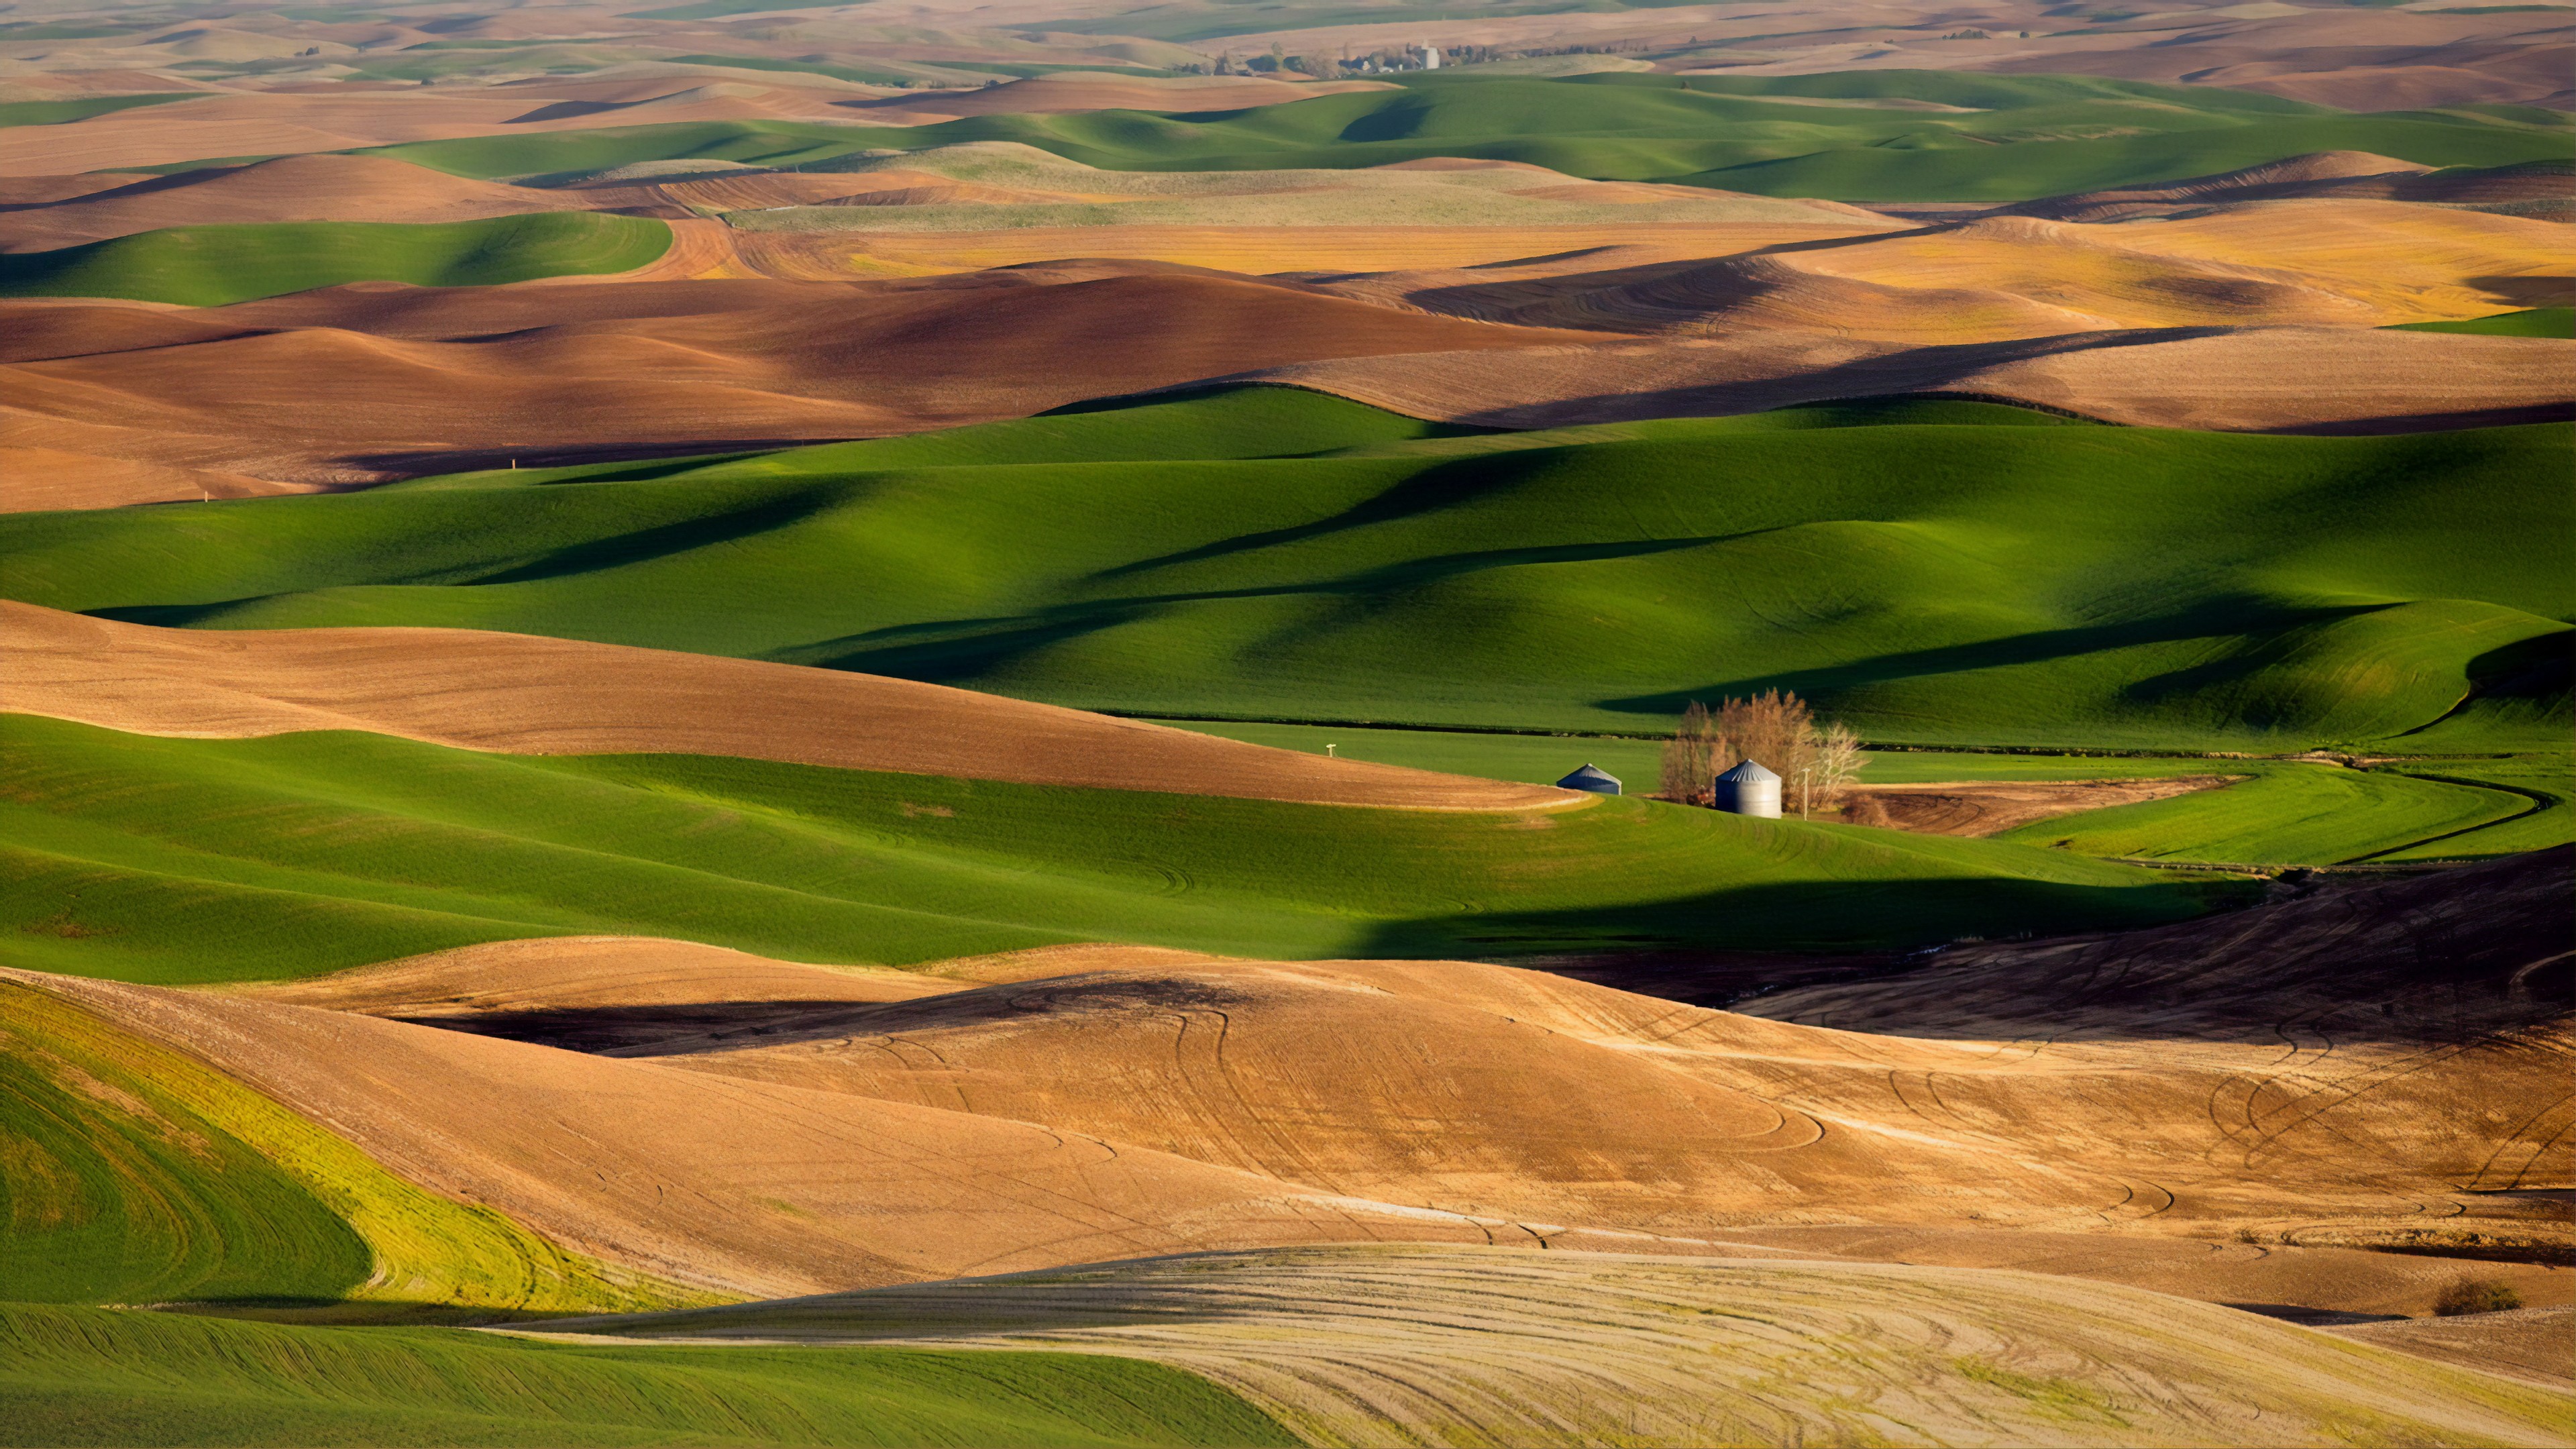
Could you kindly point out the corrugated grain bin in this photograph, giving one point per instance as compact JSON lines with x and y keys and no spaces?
{"x":1593,"y":778}
{"x":1749,"y":789}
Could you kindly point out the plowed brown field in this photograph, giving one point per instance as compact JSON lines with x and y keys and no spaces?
{"x":35,"y":478}
{"x":2341,"y":263}
{"x":2264,"y":379}
{"x":2339,"y":175}
{"x":290,"y":188}
{"x":1991,"y":807}
{"x":2536,"y":1344}
{"x":1487,"y":1090}
{"x":292,"y":389}
{"x":2227,"y":1109}
{"x":1256,"y":249}
{"x":518,"y":694}
{"x":295,"y":388}
{"x":733,"y":1185}
{"x":598,"y":993}
{"x":2220,"y":1110}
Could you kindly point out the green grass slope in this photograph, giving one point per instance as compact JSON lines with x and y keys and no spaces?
{"x":135,"y":1174}
{"x":210,"y":266}
{"x":2548,"y":782}
{"x":2014,"y":138}
{"x":1530,"y":759}
{"x":2406,"y":811}
{"x":58,"y":113}
{"x":118,"y":1191}
{"x":1930,"y":575}
{"x":2557,"y":322}
{"x":2302,"y":815}
{"x":86,"y":1376}
{"x":178,"y":861}
{"x":1219,"y":423}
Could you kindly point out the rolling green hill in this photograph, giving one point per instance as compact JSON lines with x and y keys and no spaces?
{"x":117,"y":1191}
{"x":2530,"y":322}
{"x":2011,"y":138}
{"x":59,"y":113}
{"x":2313,"y":814}
{"x":86,"y":1376}
{"x":178,"y":861}
{"x":137,"y":1175}
{"x":209,"y":266}
{"x":2547,"y":781}
{"x":1932,"y":573}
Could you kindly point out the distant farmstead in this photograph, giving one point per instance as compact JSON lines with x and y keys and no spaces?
{"x":1748,"y":789}
{"x":1592,"y":778}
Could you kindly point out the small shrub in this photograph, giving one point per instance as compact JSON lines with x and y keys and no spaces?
{"x":2476,"y":1295}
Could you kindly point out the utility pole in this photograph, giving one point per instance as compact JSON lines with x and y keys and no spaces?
{"x":1802,"y":790}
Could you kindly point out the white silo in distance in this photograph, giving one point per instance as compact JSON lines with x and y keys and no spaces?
{"x":1748,"y":789}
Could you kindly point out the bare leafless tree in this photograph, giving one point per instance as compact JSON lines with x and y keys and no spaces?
{"x":1690,"y":757}
{"x":1838,"y":763}
{"x":1775,"y":729}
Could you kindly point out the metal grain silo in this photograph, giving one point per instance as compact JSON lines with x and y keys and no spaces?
{"x":1748,"y":789}
{"x":1593,"y":778}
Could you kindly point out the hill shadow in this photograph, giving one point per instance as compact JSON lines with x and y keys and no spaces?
{"x":1444,"y":485}
{"x":1935,"y":369}
{"x":691,"y":1027}
{"x":2237,"y":620}
{"x":1854,"y":918}
{"x":955,"y":650}
{"x":2430,"y":958}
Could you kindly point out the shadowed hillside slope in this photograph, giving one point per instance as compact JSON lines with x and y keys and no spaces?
{"x":2533,"y":1344}
{"x":206,"y":860}
{"x":1927,"y":571}
{"x":2448,"y":958}
{"x":1997,"y":277}
{"x":2541,"y":188}
{"x":293,"y":388}
{"x":2324,"y":380}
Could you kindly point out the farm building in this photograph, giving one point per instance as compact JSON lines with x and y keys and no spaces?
{"x":1593,"y":778}
{"x":1748,"y":789}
